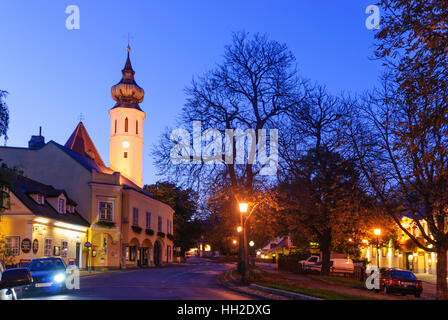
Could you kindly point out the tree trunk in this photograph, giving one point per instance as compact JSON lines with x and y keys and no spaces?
{"x":325,"y":248}
{"x":442,"y":288}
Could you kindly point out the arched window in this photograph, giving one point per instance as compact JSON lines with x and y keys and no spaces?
{"x":136,"y":127}
{"x":115,"y":126}
{"x":126,"y":125}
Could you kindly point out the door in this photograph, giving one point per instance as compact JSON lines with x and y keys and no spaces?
{"x":157,"y":253}
{"x":409,"y":261}
{"x":78,"y":254}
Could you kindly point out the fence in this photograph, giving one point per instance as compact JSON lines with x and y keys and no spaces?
{"x":291,"y":264}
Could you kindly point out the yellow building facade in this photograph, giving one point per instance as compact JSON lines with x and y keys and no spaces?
{"x":128,"y":227}
{"x":403,"y":253}
{"x":40,"y":222}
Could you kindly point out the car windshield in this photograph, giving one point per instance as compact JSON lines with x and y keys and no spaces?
{"x":46,"y":264}
{"x":403,"y":275}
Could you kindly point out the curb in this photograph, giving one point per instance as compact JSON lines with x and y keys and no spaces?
{"x":236,"y":289}
{"x":277,"y":292}
{"x":289,"y":294}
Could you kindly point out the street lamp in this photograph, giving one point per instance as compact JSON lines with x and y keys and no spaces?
{"x":251,"y":243}
{"x":377,"y":232}
{"x":239,"y":229}
{"x":243,"y":206}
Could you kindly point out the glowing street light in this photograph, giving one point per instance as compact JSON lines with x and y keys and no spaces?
{"x":243,"y":207}
{"x":377,"y":232}
{"x":235,"y":242}
{"x":251,"y":243}
{"x":239,"y":229}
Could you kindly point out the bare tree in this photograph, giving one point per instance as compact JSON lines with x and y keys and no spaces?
{"x":252,"y":88}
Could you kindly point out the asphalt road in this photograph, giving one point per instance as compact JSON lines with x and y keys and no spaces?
{"x":196,"y":280}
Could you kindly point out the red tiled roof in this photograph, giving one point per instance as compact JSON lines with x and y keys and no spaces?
{"x":81,"y":143}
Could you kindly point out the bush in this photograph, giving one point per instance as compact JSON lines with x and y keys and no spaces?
{"x":149,"y":232}
{"x":170,"y":236}
{"x":161,"y":234}
{"x":137,"y":229}
{"x":106,"y":224}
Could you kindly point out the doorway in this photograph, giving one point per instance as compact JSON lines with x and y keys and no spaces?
{"x":157,"y":253}
{"x":78,"y":255}
{"x":409,"y":261}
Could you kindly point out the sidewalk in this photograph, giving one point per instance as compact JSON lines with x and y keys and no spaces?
{"x":317,"y":283}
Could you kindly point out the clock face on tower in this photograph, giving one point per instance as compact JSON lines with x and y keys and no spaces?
{"x":126,"y":144}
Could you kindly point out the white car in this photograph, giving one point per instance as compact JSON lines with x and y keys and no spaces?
{"x":309,"y":261}
{"x":336,"y":265}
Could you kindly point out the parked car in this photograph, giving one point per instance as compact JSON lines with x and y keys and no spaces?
{"x":400,"y":281}
{"x":336,"y":265}
{"x":11,"y":279}
{"x":48,"y":274}
{"x":309,"y":261}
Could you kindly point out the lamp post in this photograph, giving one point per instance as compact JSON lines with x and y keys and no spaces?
{"x":377,"y":232}
{"x":243,"y":249}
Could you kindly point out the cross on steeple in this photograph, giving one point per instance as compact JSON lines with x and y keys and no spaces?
{"x":129,"y":42}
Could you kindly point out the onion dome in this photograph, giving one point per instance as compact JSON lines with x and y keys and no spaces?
{"x":127,"y":93}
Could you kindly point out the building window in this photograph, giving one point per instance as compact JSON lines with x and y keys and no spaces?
{"x":159,"y":226}
{"x":167,"y":226}
{"x":13,"y":245}
{"x":106,"y":211}
{"x":136,"y":127}
{"x":48,"y":247}
{"x":135,"y":217}
{"x":61,"y":205}
{"x":40,"y":199}
{"x":126,"y":125}
{"x":125,"y":155}
{"x":64,"y":248}
{"x":115,"y":126}
{"x":148,"y":220}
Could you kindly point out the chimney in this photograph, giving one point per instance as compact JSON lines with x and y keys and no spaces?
{"x":37,"y":142}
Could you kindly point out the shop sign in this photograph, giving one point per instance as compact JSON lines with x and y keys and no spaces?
{"x":26,"y":245}
{"x":35,"y":246}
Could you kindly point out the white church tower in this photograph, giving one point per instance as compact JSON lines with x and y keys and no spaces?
{"x":126,"y":127}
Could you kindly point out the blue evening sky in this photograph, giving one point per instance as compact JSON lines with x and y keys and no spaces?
{"x":54,"y":74}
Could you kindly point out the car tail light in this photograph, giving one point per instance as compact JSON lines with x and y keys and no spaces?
{"x":394,"y":282}
{"x":419,"y":284}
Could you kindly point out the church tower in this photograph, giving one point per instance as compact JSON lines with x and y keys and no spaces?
{"x":126,"y":127}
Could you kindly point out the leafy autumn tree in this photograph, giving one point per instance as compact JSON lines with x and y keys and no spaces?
{"x":402,"y":152}
{"x":4,"y":115}
{"x":186,"y":225}
{"x":325,"y":200}
{"x":413,"y":42}
{"x":399,"y":132}
{"x":5,"y":182}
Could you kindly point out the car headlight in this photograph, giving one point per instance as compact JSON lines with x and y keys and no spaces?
{"x":59,"y":277}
